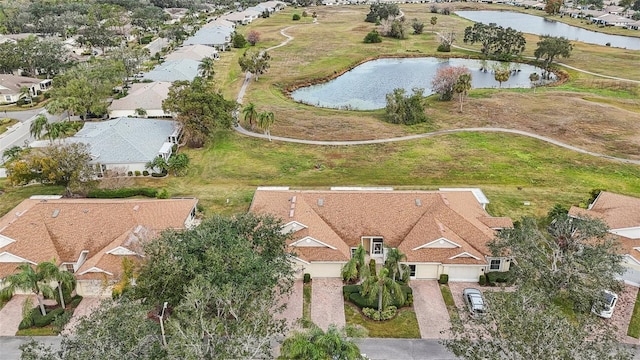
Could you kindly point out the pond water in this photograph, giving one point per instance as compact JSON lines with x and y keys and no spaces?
{"x":365,"y":87}
{"x":542,"y":26}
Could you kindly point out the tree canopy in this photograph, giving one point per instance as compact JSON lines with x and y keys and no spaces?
{"x":495,"y":40}
{"x":405,"y":109}
{"x":552,"y":47}
{"x":254,"y":62}
{"x":317,"y":344}
{"x":382,"y":11}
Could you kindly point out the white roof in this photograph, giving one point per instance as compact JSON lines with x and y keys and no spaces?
{"x":174,"y":70}
{"x":193,"y":52}
{"x":148,"y":96}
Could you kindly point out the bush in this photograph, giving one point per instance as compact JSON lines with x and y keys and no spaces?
{"x":145,"y":173}
{"x":307,"y":278}
{"x":75,"y":301}
{"x":162,"y":194}
{"x":482,"y":280}
{"x":146,"y":39}
{"x":376,"y":315}
{"x":494,"y":277}
{"x":360,"y":301}
{"x":304,"y":13}
{"x":372,"y":266}
{"x":155,"y":174}
{"x":347,"y":290}
{"x":137,"y":173}
{"x":129,"y":173}
{"x":373,"y":37}
{"x":238,"y":41}
{"x":61,"y":320}
{"x":296,"y":17}
{"x":444,"y":48}
{"x":42,"y":321}
{"x":444,"y":279}
{"x":121,"y":193}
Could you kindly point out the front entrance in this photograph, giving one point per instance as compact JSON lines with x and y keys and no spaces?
{"x":377,"y":248}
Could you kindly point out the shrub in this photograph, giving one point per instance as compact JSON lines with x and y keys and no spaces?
{"x":347,"y":290}
{"x":61,"y":320}
{"x":155,"y":174}
{"x":372,"y":266}
{"x":362,"y":302}
{"x":482,"y":280}
{"x":75,"y":301}
{"x":444,"y":279}
{"x":146,"y":39}
{"x":121,"y":193}
{"x":129,"y":173}
{"x":137,"y":172}
{"x":145,"y":173}
{"x":376,"y":315}
{"x":296,"y":17}
{"x":494,"y":277}
{"x":444,"y":48}
{"x":162,"y":194}
{"x":42,"y":321}
{"x":307,"y":278}
{"x":304,"y":13}
{"x":405,"y":109}
{"x":238,"y":41}
{"x":373,"y":37}
{"x":353,"y":294}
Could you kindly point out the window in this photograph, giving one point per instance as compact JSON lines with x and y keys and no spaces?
{"x":353,"y":252}
{"x":412,"y":271}
{"x":7,"y":98}
{"x":69,"y":268}
{"x":495,"y":264}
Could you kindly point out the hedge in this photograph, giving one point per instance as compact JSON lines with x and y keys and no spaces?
{"x":75,"y":301}
{"x":121,"y":193}
{"x":444,"y":279}
{"x":494,"y":277}
{"x":350,"y":289}
{"x":363,"y":302}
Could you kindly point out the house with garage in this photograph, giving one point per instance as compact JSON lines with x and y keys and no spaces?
{"x":11,"y":87}
{"x":218,"y":37}
{"x":174,"y":70}
{"x":88,"y":237}
{"x":440,"y":232}
{"x":193,"y":52}
{"x":142,"y":100}
{"x":621,"y":213}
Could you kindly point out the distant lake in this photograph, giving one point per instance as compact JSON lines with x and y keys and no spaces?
{"x":542,"y":26}
{"x":365,"y":87}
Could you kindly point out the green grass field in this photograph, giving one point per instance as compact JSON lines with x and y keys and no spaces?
{"x":403,"y":326}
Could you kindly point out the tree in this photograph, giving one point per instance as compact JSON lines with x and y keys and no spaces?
{"x":551,"y":47}
{"x":254,"y":62}
{"x":446,"y":40}
{"x":57,"y":130}
{"x":462,"y":87}
{"x":445,"y":79}
{"x":178,"y":164}
{"x":372,"y":37}
{"x":392,"y":263}
{"x":265,"y":121}
{"x":501,"y":74}
{"x":60,"y":105}
{"x":405,"y":109}
{"x":568,"y":262}
{"x":238,"y":41}
{"x":382,"y":287}
{"x":433,"y":21}
{"x":382,"y":11}
{"x":28,"y":279}
{"x":253,"y":37}
{"x":130,"y":58}
{"x":495,"y":40}
{"x":534,"y":78}
{"x":317,"y":344}
{"x":199,"y":109}
{"x":552,"y":7}
{"x":250,"y":114}
{"x":417,"y":26}
{"x":11,"y":154}
{"x":51,"y":272}
{"x":157,"y":164}
{"x":38,"y":125}
{"x":355,"y":269}
{"x":396,"y":30}
{"x":205,"y":68}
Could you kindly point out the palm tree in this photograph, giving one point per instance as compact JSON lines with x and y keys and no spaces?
{"x":50,"y":271}
{"x":178,"y":164}
{"x":157,"y":163}
{"x":534,"y":78}
{"x":12,"y":153}
{"x":58,"y":106}
{"x":58,"y":129}
{"x":38,"y":125}
{"x":206,"y":68}
{"x":265,"y":121}
{"x":462,"y":87}
{"x":355,"y":268}
{"x":383,"y":287}
{"x":394,"y":257}
{"x":317,"y":344}
{"x":28,"y":279}
{"x":250,"y":114}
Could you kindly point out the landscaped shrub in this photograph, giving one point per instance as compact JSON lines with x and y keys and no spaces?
{"x":376,"y":315}
{"x":482,"y":280}
{"x":373,"y":37}
{"x":444,"y":279}
{"x":444,"y":48}
{"x":363,"y":302}
{"x":129,"y":173}
{"x":347,"y":290}
{"x":137,"y":172}
{"x":121,"y":193}
{"x":75,"y":301}
{"x":42,"y":321}
{"x":146,"y":39}
{"x":162,"y":174}
{"x":307,"y":278}
{"x":372,"y":267}
{"x":296,"y":17}
{"x":61,"y":320}
{"x":162,"y":194}
{"x":494,"y":277}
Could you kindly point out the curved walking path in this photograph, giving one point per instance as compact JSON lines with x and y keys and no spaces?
{"x":246,"y":132}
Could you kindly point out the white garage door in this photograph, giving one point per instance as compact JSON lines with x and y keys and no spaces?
{"x":464,"y":273}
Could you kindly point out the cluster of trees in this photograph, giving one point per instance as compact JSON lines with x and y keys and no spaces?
{"x":405,"y":109}
{"x":496,"y":41}
{"x":222,"y":283}
{"x":560,"y":265}
{"x":199,"y":109}
{"x":449,"y":81}
{"x":34,"y":56}
{"x":178,"y":164}
{"x":257,"y":63}
{"x":382,"y":11}
{"x":264,"y":120}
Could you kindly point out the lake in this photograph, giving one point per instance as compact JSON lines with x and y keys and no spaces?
{"x":365,"y":87}
{"x":542,"y":26}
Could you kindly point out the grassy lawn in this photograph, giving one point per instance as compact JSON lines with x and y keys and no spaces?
{"x":404,"y":325}
{"x":634,"y":324}
{"x":6,"y":123}
{"x":448,"y":301}
{"x":49,"y":330}
{"x":306,"y":302}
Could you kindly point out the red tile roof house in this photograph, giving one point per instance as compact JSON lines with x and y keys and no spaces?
{"x":89,"y":237}
{"x":622,"y":214}
{"x":441,"y":232}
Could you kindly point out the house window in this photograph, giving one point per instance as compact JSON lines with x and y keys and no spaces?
{"x":7,"y":98}
{"x":412,"y":271}
{"x":495,"y":264}
{"x":69,"y":268}
{"x":353,"y":252}
{"x":377,"y":247}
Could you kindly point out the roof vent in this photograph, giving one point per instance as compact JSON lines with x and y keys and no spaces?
{"x":55,"y":214}
{"x":85,"y":211}
{"x":135,"y":208}
{"x":321,"y":202}
{"x":418,"y":202}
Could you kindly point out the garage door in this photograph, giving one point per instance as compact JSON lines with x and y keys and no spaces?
{"x":464,"y":273}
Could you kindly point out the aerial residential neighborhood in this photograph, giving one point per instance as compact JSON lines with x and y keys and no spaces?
{"x":319,"y":179}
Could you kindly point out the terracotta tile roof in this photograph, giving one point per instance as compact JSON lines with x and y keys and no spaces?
{"x":62,"y":229}
{"x":404,"y":219}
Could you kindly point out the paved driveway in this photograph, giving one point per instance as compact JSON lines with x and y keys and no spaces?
{"x":293,"y":311}
{"x":431,"y":312}
{"x":85,"y":308}
{"x":327,"y":303}
{"x":11,"y":315}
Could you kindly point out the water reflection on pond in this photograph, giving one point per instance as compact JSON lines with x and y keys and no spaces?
{"x":365,"y":87}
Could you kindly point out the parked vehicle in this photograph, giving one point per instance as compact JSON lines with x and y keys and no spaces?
{"x":475,"y":302}
{"x":610,"y":299}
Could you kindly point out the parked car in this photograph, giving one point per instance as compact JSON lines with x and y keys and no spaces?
{"x":475,"y":302}
{"x":610,"y":299}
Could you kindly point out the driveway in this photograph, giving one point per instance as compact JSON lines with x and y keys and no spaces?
{"x":327,"y":303}
{"x":622,"y":314}
{"x":293,"y":312}
{"x":431,"y":312}
{"x":11,"y":315}
{"x":85,"y":308}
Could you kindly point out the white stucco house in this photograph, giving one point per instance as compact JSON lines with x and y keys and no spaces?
{"x":142,"y":96}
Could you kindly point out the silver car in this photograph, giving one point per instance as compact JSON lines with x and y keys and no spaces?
{"x":473,"y":299}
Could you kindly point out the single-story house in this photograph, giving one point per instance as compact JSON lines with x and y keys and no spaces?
{"x":440,"y":232}
{"x":219,"y":22}
{"x":273,"y":6}
{"x":218,"y":37}
{"x":244,"y":17}
{"x":156,"y":45}
{"x":193,"y":52}
{"x":622,"y":214}
{"x":11,"y":87}
{"x":174,"y":70}
{"x":145,"y":96}
{"x":634,"y":25}
{"x":125,"y":144}
{"x":611,"y":20}
{"x":88,"y":237}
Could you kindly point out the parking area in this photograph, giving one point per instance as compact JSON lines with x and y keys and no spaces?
{"x":431,"y":312}
{"x":327,"y":303}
